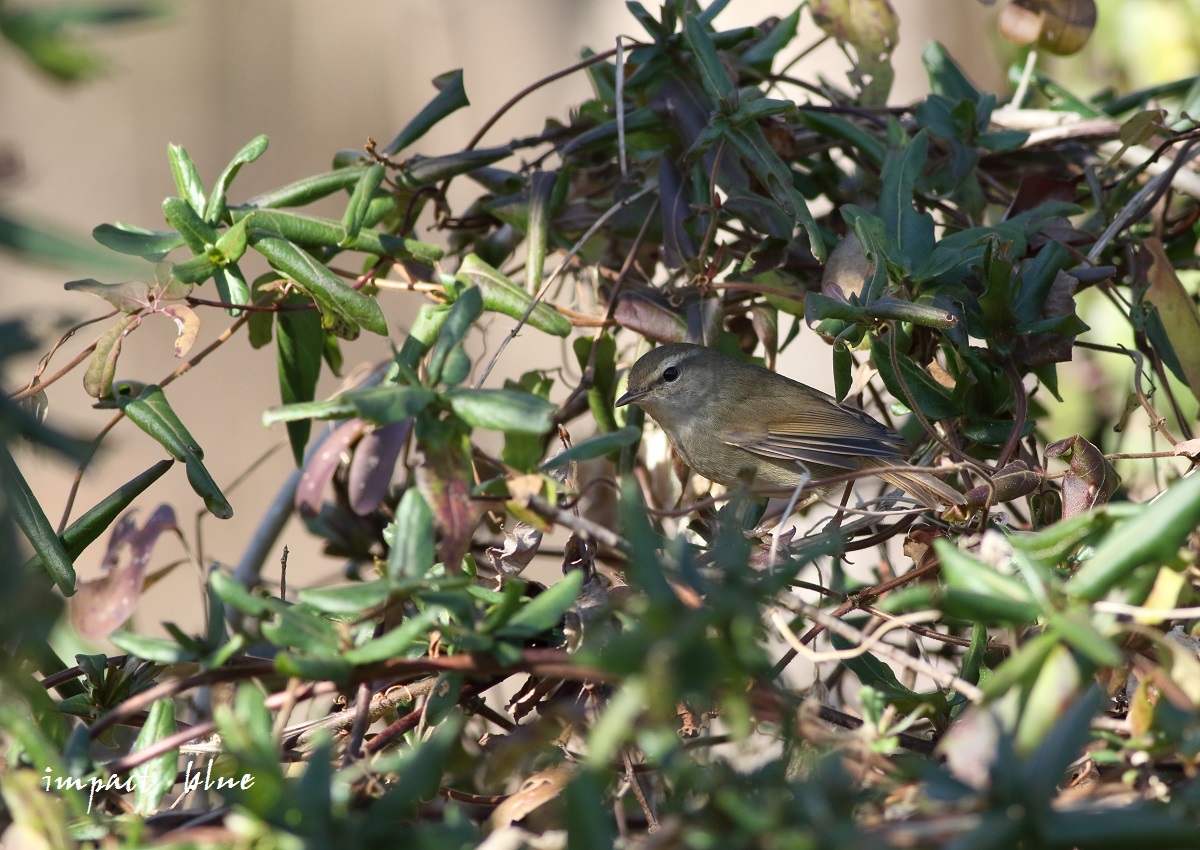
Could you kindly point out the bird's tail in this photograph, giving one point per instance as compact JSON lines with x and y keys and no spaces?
{"x":930,"y":491}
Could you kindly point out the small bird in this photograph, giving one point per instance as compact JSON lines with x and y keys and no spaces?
{"x":733,"y":422}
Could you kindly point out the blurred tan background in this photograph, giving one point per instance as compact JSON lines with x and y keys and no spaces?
{"x":316,"y":77}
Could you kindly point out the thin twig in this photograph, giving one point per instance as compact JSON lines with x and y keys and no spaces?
{"x":531,"y":88}
{"x":575,"y":249}
{"x":896,"y":656}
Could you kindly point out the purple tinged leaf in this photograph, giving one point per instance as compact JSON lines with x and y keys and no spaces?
{"x":1037,"y":349}
{"x":320,"y":469}
{"x":100,"y":606}
{"x":1091,"y":479}
{"x":128,"y":297}
{"x":445,"y":480}
{"x":373,"y":464}
{"x":649,"y":318}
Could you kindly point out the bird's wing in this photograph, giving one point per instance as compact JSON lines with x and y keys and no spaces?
{"x":833,"y":437}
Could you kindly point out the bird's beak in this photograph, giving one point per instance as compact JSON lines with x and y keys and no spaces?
{"x":631,"y":396}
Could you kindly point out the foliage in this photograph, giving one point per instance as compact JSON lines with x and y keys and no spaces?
{"x":654,"y":694}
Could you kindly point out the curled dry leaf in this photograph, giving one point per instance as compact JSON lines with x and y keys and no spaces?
{"x":1091,"y":479}
{"x":521,"y":543}
{"x":1187,"y":448}
{"x":536,"y":791}
{"x":102,"y":367}
{"x":100,"y":606}
{"x":188,"y":324}
{"x":1013,"y":482}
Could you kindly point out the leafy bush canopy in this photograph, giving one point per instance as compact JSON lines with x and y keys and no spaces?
{"x":980,"y":677}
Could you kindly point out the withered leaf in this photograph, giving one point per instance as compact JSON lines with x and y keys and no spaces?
{"x":100,"y":606}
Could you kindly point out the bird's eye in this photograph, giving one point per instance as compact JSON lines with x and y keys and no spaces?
{"x":670,"y":374}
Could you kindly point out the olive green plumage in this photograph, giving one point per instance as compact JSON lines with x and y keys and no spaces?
{"x":727,"y":418}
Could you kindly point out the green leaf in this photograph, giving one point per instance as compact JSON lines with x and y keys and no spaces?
{"x":419,"y":770}
{"x":872,"y":235}
{"x":214,"y":210}
{"x":151,"y":412}
{"x":309,"y":189}
{"x":348,"y":598}
{"x":912,"y":231}
{"x":46,"y":34}
{"x":502,"y":410}
{"x":843,"y":366}
{"x":501,"y":295}
{"x":545,"y":611}
{"x":588,"y":819}
{"x":87,"y":529}
{"x":231,"y":286}
{"x":1151,"y":537}
{"x":712,"y":73}
{"x":232,"y":245}
{"x":206,"y":488}
{"x":451,"y":97}
{"x":154,"y":778}
{"x":195,"y":270}
{"x":301,"y":627}
{"x":339,"y":407}
{"x":422,"y":170}
{"x":869,"y":145}
{"x":598,"y":359}
{"x":877,"y":675}
{"x":158,"y":650}
{"x":776,"y":175}
{"x":196,"y":232}
{"x":818,"y":307}
{"x":964,"y":572}
{"x":382,"y":405}
{"x":360,"y":201}
{"x":986,"y":607}
{"x":234,"y":594}
{"x":932,"y":398}
{"x":33,"y":523}
{"x":151,"y":244}
{"x":298,"y":355}
{"x":598,"y":446}
{"x":326,"y":666}
{"x":1078,"y":631}
{"x":312,"y":231}
{"x":541,"y":189}
{"x":945,"y":77}
{"x":411,"y":555}
{"x":467,"y":308}
{"x":397,"y":642}
{"x":447,"y":691}
{"x":334,"y":297}
{"x":776,"y":40}
{"x":187,"y":179}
